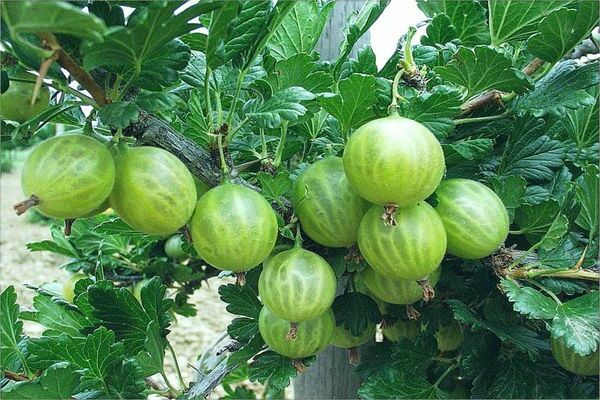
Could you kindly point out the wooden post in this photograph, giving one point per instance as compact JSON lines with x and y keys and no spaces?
{"x":332,"y":376}
{"x":333,"y":34}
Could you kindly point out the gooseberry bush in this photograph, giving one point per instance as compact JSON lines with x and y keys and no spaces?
{"x":437,"y":217}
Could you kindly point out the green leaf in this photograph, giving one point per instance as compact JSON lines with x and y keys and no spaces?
{"x":299,"y":70}
{"x":352,"y":106}
{"x":523,"y":339}
{"x":355,"y":312}
{"x":517,"y":376}
{"x":57,"y":17}
{"x":365,"y":63}
{"x":414,"y":356}
{"x":147,"y":52}
{"x":275,"y":187}
{"x":536,"y":219}
{"x":511,"y":190}
{"x":470,"y":149}
{"x":466,"y":16}
{"x":300,"y":29}
{"x":11,"y":328}
{"x":233,"y":29}
{"x":556,"y":231}
{"x":395,"y":383}
{"x":241,"y":300}
{"x":93,"y":357}
{"x":580,"y":125}
{"x":561,"y":30}
{"x":577,"y":323}
{"x":565,"y":255}
{"x":272,"y":368}
{"x":120,"y":114}
{"x":483,"y":68}
{"x":529,"y":301}
{"x":243,"y":329}
{"x":156,"y":102}
{"x":116,"y":226}
{"x":58,"y":317}
{"x":357,"y":25}
{"x":127,"y":382}
{"x":586,"y":192}
{"x":283,"y":106}
{"x":197,"y":41}
{"x":119,"y":311}
{"x":151,"y":359}
{"x":59,"y":381}
{"x":54,"y":247}
{"x":530,"y":153}
{"x":560,"y":90}
{"x":435,"y":109}
{"x":517,"y":20}
{"x":439,"y":31}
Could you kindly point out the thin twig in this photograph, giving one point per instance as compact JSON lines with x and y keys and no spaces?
{"x":78,"y":73}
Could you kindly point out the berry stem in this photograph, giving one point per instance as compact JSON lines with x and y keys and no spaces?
{"x":428,"y":292}
{"x":411,"y":312}
{"x":353,"y":356}
{"x":207,"y":97}
{"x":25,"y":205}
{"x":461,"y":121}
{"x":68,"y":226}
{"x":393,"y":108}
{"x":240,"y":278}
{"x":299,"y":366}
{"x":224,"y":167}
{"x":298,"y":239}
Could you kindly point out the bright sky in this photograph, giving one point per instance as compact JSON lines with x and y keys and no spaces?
{"x":391,"y":25}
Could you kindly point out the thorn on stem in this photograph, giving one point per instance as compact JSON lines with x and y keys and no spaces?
{"x":428,"y":292}
{"x":412,"y":313}
{"x":293,"y":332}
{"x":25,"y":205}
{"x":389,"y":214}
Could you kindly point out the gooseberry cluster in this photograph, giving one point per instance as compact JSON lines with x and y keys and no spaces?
{"x":375,"y":196}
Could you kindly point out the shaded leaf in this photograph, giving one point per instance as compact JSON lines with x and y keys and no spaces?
{"x":59,"y":381}
{"x":435,"y":109}
{"x":517,"y":20}
{"x":355,"y":312}
{"x":483,"y":68}
{"x":352,"y":106}
{"x":560,"y":90}
{"x":530,"y":153}
{"x":283,"y":106}
{"x":529,"y":301}
{"x":241,"y":300}
{"x":562,"y":29}
{"x":466,"y":16}
{"x":120,"y":114}
{"x":394,"y":383}
{"x":577,"y":323}
{"x":300,"y":29}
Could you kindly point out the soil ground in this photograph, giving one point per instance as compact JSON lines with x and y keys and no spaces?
{"x":189,"y":336}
